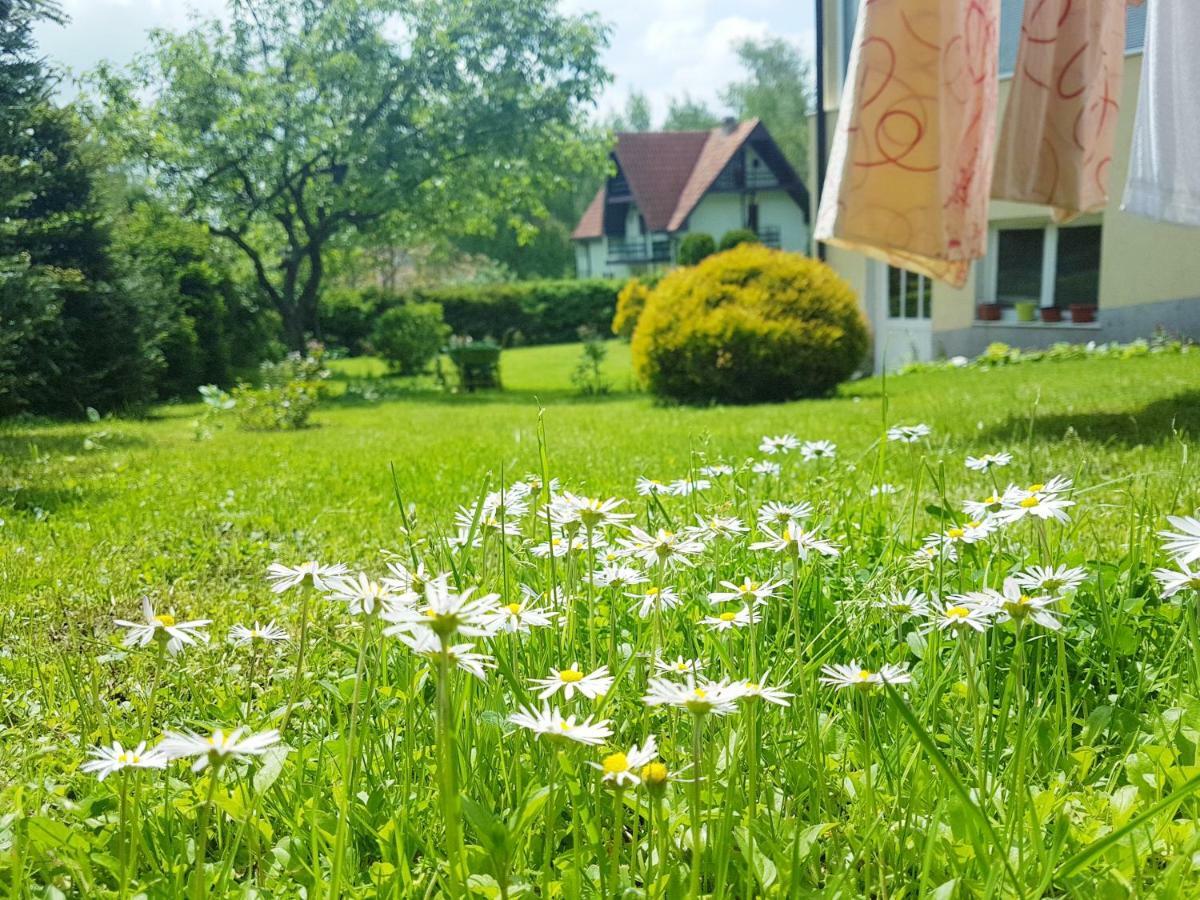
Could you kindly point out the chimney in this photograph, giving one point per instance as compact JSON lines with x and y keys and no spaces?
{"x":728,"y":124}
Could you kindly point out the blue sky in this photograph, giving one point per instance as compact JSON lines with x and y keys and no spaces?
{"x":661,"y":47}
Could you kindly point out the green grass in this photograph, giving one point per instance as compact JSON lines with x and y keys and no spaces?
{"x":1012,"y":755}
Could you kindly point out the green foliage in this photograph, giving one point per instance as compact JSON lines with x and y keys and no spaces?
{"x":409,"y":336}
{"x":370,"y":137}
{"x":636,"y":116}
{"x":477,"y":363}
{"x":630,"y":303}
{"x":696,"y":246}
{"x":1000,"y":354}
{"x":588,"y":377}
{"x":687,"y":114}
{"x":737,"y":236}
{"x":73,"y":338}
{"x":749,"y":325}
{"x":516,"y":312}
{"x":287,"y":393}
{"x":777,"y":90}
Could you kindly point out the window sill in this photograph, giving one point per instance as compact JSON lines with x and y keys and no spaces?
{"x":1064,"y":326}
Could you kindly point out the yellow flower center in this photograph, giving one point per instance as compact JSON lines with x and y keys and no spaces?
{"x":700,"y":694}
{"x":990,"y":500}
{"x":654,"y":773}
{"x":957,"y":612}
{"x":166,"y":620}
{"x":1029,"y":502}
{"x":955,"y":533}
{"x":1036,"y":487}
{"x":513,"y":608}
{"x":615,"y":763}
{"x":570,"y":676}
{"x":750,"y":587}
{"x":1024,"y":598}
{"x":972,"y":524}
{"x":865,"y":674}
{"x":1194,"y":583}
{"x":728,"y":616}
{"x":563,"y":726}
{"x":652,"y":592}
{"x":752,"y":686}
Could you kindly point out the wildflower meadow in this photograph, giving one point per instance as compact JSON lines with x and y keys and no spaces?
{"x":938,"y":636}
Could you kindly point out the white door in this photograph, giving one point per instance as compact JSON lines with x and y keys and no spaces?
{"x":903,"y":301}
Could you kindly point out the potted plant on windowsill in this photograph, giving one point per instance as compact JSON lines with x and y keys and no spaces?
{"x":1051,"y":314}
{"x":988,"y":312}
{"x":1082,"y":313}
{"x":1026,"y":311}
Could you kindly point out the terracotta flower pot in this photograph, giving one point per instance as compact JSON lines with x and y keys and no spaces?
{"x":1051,"y":314}
{"x":988,"y":312}
{"x":1082,"y":313}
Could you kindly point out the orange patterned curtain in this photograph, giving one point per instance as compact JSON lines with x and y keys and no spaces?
{"x":1056,"y":142}
{"x":911,"y":162}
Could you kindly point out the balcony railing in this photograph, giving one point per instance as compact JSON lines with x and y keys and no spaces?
{"x":640,"y":251}
{"x":755,"y":179}
{"x":769,"y":235}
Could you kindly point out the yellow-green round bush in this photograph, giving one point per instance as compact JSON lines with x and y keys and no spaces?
{"x":630,"y":303}
{"x":749,"y":325}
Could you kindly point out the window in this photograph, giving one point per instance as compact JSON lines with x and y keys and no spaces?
{"x":1019,"y":265}
{"x":1051,"y":266}
{"x":909,"y":295}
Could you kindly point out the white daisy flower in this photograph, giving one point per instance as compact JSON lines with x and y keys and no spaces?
{"x":927,"y":557}
{"x":623,"y":769}
{"x":853,"y":675}
{"x":648,"y":486}
{"x":680,"y":666}
{"x":717,"y":528}
{"x":720,"y":470}
{"x":907,"y":605}
{"x":811,"y":450}
{"x":760,"y":690}
{"x":774,"y":514}
{"x":514,"y":618}
{"x":746,"y":592}
{"x":163,"y":627}
{"x":571,"y":681}
{"x":765,"y":467}
{"x":445,"y":611}
{"x":594,"y":513}
{"x":551,"y":724}
{"x":466,"y":526}
{"x":982,"y":509}
{"x":217,"y":748}
{"x":908,"y":434}
{"x":1053,"y":580}
{"x":107,"y":760}
{"x":661,"y":548}
{"x":463,"y":656}
{"x":988,"y":461}
{"x":1011,"y":602}
{"x":1040,"y":505}
{"x":782,"y":443}
{"x":685,"y":487}
{"x":960,"y":613}
{"x":654,"y":598}
{"x":310,"y":574}
{"x":796,"y":541}
{"x":883,"y":488}
{"x":729,"y":619}
{"x":403,"y":580}
{"x":1172,"y":581}
{"x":968,"y":533}
{"x":618,"y":575}
{"x":256,"y":633}
{"x":365,"y":597}
{"x":1183,"y":544}
{"x":698,"y":697}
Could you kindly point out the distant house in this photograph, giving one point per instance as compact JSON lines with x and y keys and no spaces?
{"x":1138,"y":274}
{"x":671,"y":183}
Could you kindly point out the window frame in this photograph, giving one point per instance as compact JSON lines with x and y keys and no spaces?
{"x":924,"y":295}
{"x":987,"y":291}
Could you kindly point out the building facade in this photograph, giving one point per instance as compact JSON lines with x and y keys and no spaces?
{"x":1140,"y":275}
{"x":667,"y":185}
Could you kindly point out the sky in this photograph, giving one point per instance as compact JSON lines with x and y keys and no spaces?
{"x":663,"y":48}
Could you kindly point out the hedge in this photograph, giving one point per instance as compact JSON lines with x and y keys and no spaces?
{"x":518,"y":312}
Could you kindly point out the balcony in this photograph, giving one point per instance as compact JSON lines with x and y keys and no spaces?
{"x":769,"y":235}
{"x":640,"y":251}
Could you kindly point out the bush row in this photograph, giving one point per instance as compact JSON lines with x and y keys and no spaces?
{"x":522,"y":312}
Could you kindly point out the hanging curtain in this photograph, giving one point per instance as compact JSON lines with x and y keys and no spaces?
{"x":1056,"y":143}
{"x":911,"y":162}
{"x":1164,"y":169}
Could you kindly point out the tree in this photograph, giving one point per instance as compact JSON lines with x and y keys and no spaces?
{"x":636,"y":115}
{"x":777,"y":91}
{"x":686,"y":114}
{"x":71,"y":338}
{"x":300,"y":126}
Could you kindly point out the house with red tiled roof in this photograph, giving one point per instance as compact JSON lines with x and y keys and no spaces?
{"x":668,"y":184}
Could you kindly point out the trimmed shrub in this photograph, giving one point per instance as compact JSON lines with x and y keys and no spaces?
{"x":408,"y":337}
{"x":737,"y":237}
{"x":749,"y":325}
{"x":630,"y":303}
{"x":696,"y":247}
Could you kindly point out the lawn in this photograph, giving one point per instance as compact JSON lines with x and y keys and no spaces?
{"x":999,"y":771}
